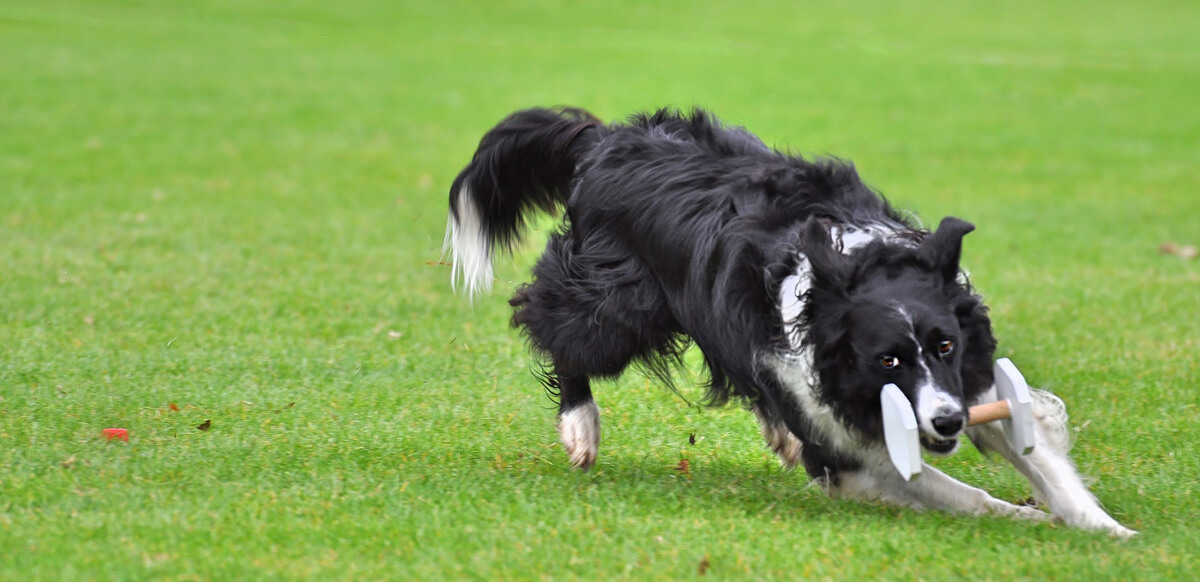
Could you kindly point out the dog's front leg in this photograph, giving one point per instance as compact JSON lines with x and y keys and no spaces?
{"x":1053,"y":476}
{"x":780,"y":439}
{"x":933,"y":490}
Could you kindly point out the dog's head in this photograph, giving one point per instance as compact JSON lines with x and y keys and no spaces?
{"x":897,"y":313}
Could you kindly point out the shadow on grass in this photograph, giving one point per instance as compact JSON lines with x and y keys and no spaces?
{"x":761,"y":488}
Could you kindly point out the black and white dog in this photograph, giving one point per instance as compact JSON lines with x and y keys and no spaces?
{"x":804,"y":290}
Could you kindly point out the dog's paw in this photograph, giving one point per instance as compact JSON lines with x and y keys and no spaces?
{"x":1122,"y":532}
{"x":1026,"y":512}
{"x":781,"y":440}
{"x":1092,"y":517}
{"x":1104,"y":523}
{"x":788,"y":451}
{"x":786,"y":446}
{"x":1030,"y":513}
{"x":579,"y":430}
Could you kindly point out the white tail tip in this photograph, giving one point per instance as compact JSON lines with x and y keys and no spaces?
{"x":468,"y":244}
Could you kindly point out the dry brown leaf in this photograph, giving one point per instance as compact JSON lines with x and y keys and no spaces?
{"x":1178,"y":250}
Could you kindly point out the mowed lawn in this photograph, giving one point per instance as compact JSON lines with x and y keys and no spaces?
{"x":229,"y":215}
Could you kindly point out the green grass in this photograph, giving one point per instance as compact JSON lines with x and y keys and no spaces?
{"x":234,"y":206}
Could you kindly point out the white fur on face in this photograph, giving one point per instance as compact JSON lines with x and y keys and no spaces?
{"x":932,"y":402}
{"x":468,"y":243}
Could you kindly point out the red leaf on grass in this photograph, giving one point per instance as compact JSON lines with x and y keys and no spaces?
{"x":174,"y":407}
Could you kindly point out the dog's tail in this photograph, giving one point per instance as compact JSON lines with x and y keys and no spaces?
{"x":523,"y":164}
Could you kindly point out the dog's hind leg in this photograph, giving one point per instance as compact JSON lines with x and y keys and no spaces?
{"x":578,"y":420}
{"x":591,"y":314}
{"x":548,"y":329}
{"x":1049,"y":469}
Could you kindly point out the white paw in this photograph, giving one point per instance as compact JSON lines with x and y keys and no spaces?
{"x":1097,"y":520}
{"x":1120,"y":531}
{"x":1031,"y":513}
{"x":579,"y":430}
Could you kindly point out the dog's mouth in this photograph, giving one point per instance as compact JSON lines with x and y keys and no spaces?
{"x":939,"y":446}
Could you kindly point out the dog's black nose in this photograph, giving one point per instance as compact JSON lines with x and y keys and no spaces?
{"x":949,"y":424}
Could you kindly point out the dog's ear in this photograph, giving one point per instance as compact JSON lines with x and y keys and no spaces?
{"x":829,"y":267}
{"x":944,"y":247}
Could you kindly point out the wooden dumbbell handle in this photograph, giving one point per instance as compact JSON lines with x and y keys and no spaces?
{"x":982,"y":413}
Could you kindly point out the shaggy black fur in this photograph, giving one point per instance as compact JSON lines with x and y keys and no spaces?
{"x":679,"y":229}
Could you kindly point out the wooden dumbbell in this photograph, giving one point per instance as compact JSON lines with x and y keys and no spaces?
{"x":1013,"y":407}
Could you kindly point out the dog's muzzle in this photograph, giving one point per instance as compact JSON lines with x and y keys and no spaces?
{"x":948,"y":426}
{"x":939,"y":446}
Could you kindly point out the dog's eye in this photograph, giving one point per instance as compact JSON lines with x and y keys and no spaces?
{"x":889,"y":361}
{"x":945,"y":348}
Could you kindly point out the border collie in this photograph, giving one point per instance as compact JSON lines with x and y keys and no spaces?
{"x":804,"y":289}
